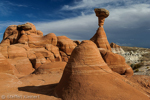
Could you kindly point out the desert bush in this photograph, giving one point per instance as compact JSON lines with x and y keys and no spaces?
{"x":147,"y":67}
{"x":136,"y":70}
{"x":136,"y":66}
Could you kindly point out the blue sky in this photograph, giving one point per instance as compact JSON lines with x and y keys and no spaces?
{"x":128,"y":23}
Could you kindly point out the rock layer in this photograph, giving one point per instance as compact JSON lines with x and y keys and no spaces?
{"x":116,"y":62}
{"x":87,"y":77}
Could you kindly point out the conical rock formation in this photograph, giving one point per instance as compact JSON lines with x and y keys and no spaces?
{"x":87,"y":77}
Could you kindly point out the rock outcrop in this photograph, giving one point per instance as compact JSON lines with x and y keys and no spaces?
{"x":6,"y":67}
{"x":53,"y":67}
{"x":65,"y":44}
{"x":116,"y":62}
{"x":87,"y":77}
{"x":100,"y":38}
{"x":116,"y":48}
{"x":130,"y":56}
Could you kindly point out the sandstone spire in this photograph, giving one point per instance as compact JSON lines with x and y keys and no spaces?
{"x":100,"y":38}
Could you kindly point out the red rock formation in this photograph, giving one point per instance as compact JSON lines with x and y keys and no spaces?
{"x":39,"y":32}
{"x":65,"y":44}
{"x":53,"y":67}
{"x":77,"y":42}
{"x":116,"y":62}
{"x":12,"y":34}
{"x":116,"y":48}
{"x":9,"y":82}
{"x":6,"y":67}
{"x":37,"y":41}
{"x":23,"y":65}
{"x":100,"y":38}
{"x":87,"y":77}
{"x":64,"y":56}
{"x":15,"y":51}
{"x":54,"y":50}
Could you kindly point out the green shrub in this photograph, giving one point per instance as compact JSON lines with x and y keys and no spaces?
{"x":147,"y":67}
{"x":136,"y":70}
{"x":135,"y":66}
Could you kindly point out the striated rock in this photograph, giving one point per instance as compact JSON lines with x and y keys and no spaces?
{"x":54,"y":50}
{"x":12,"y":34}
{"x":52,"y":67}
{"x":30,"y":28}
{"x":23,"y":65}
{"x":116,"y":48}
{"x":39,"y":32}
{"x":8,"y":82}
{"x":64,"y":56}
{"x":116,"y":62}
{"x":6,"y":67}
{"x":40,"y":59}
{"x":37,"y":41}
{"x":100,"y":38}
{"x":65,"y":44}
{"x":24,"y":27}
{"x":9,"y":30}
{"x":23,"y":39}
{"x":5,"y":42}
{"x":87,"y":77}
{"x":15,"y":51}
{"x":4,"y":51}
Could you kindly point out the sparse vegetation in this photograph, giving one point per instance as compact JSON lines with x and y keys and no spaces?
{"x":147,"y":67}
{"x":136,"y":66}
{"x":136,"y":70}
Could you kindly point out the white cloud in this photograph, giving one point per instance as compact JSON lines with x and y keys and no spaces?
{"x":88,"y":4}
{"x":82,"y":27}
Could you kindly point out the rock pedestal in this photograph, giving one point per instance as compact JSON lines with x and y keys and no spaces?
{"x":100,"y":38}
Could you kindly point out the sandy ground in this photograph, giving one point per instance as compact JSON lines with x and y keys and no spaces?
{"x":33,"y":87}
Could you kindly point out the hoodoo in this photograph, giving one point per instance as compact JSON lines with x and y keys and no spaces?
{"x":100,"y":38}
{"x":87,"y":77}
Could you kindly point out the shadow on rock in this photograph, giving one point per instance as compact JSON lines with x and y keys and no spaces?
{"x":43,"y":89}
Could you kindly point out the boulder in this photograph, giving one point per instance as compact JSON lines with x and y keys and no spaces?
{"x":11,"y":34}
{"x":39,"y":32}
{"x":23,"y":39}
{"x":39,"y":56}
{"x":87,"y":77}
{"x":52,"y":67}
{"x":23,"y":65}
{"x":24,"y":27}
{"x":116,"y":62}
{"x":116,"y":48}
{"x":6,"y":67}
{"x":15,"y":51}
{"x":65,"y":44}
{"x":54,"y":50}
{"x":77,"y":42}
{"x":27,"y":28}
{"x":64,"y":56}
{"x":9,"y":30}
{"x":4,"y":51}
{"x":5,"y":42}
{"x":38,"y":41}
